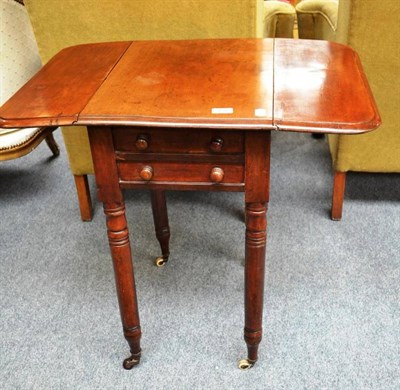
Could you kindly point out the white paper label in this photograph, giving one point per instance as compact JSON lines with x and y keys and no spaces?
{"x":222,"y":110}
{"x":260,"y":112}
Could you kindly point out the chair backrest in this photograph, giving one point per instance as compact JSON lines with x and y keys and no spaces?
{"x":19,"y":57}
{"x":70,"y":22}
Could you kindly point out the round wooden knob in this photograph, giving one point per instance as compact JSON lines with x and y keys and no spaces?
{"x":146,"y":173}
{"x":142,"y":142}
{"x":216,"y":175}
{"x":216,"y":145}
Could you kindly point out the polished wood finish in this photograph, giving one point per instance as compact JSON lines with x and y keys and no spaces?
{"x":180,"y":157}
{"x":217,"y":175}
{"x":321,"y":88}
{"x":146,"y":173}
{"x":84,"y":199}
{"x":57,"y":94}
{"x":142,"y":142}
{"x":258,"y":151}
{"x":201,"y":173}
{"x":216,"y":145}
{"x":190,"y":115}
{"x":202,"y":83}
{"x":52,"y":144}
{"x":110,"y":194}
{"x":161,"y":224}
{"x":178,"y":141}
{"x":339,"y":185}
{"x":223,"y":83}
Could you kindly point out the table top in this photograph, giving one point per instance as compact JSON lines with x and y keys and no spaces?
{"x":266,"y":84}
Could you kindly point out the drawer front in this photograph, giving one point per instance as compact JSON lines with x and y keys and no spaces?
{"x":193,"y":141}
{"x":181,"y":173}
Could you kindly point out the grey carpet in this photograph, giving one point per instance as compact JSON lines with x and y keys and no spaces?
{"x":331,"y":297}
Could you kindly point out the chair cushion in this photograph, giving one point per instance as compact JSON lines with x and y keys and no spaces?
{"x":15,"y":138}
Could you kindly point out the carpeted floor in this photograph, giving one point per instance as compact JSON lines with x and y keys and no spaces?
{"x":331,"y":297}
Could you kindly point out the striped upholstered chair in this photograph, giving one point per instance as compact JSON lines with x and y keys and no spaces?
{"x":19,"y":60}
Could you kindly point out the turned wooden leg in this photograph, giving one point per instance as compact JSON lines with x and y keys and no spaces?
{"x":258,"y":151}
{"x":160,"y":216}
{"x":109,"y":192}
{"x":85,"y":202}
{"x":339,"y":184}
{"x":52,"y":144}
{"x":256,"y":235}
{"x":118,"y":237}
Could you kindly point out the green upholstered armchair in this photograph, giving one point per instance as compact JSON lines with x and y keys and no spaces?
{"x":60,"y":24}
{"x":372,"y":28}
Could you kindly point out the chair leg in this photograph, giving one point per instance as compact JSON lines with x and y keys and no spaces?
{"x":85,"y":202}
{"x":160,"y":216}
{"x":52,"y":144}
{"x":339,"y":184}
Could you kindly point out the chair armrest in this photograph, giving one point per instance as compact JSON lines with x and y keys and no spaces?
{"x":278,"y":19}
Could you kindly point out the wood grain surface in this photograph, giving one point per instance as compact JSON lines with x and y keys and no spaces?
{"x":61,"y":89}
{"x":321,"y":86}
{"x":270,"y":84}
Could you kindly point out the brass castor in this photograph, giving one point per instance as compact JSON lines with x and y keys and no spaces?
{"x":246,"y":364}
{"x":161,"y":261}
{"x":131,"y":361}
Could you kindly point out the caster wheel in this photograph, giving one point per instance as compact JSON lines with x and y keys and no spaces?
{"x":131,"y":362}
{"x":246,"y":364}
{"x":160,"y":261}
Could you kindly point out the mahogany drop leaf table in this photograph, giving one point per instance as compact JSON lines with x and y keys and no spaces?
{"x":193,"y":115}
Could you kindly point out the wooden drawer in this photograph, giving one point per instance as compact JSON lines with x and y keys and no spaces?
{"x":193,"y":141}
{"x":180,"y":173}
